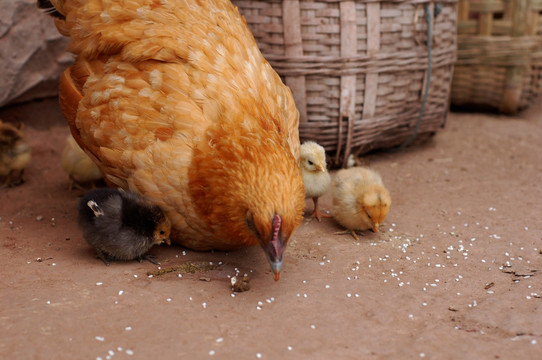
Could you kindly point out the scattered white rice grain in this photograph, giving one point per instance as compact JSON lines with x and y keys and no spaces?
{"x":348,"y":295}
{"x":168,"y":299}
{"x":212,"y":352}
{"x":135,"y":275}
{"x":219,"y":340}
{"x":313,"y":327}
{"x":100,"y":338}
{"x":204,"y":305}
{"x":533,"y":341}
{"x":327,"y":286}
{"x":180,"y":275}
{"x":128,"y":328}
{"x":258,"y":308}
{"x":259,"y":356}
{"x":111,"y":352}
{"x":289,"y":348}
{"x":129,"y":352}
{"x":121,"y":292}
{"x":119,"y":349}
{"x":99,"y":283}
{"x":422,"y":355}
{"x":410,"y":316}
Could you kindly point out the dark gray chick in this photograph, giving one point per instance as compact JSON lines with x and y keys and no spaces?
{"x":121,"y":225}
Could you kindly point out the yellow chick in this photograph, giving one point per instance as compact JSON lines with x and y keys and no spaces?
{"x":360,"y":200}
{"x":312,"y":161}
{"x":81,"y":169}
{"x":14,"y":155}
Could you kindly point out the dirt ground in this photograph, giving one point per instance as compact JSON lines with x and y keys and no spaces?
{"x":455,"y":273}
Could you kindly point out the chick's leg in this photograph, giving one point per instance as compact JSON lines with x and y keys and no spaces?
{"x":349,"y":232}
{"x":149,"y":258}
{"x":316,"y":213}
{"x":102,"y":256}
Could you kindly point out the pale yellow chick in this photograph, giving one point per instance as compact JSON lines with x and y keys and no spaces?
{"x":360,"y":200}
{"x":81,"y":169}
{"x":14,"y":155}
{"x":312,"y":161}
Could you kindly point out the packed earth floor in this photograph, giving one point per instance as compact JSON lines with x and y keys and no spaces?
{"x":454,"y":273}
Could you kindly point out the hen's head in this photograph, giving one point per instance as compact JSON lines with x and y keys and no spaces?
{"x":249,"y":190}
{"x":312,"y":157}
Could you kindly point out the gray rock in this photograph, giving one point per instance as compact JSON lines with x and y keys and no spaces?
{"x":32,"y":52}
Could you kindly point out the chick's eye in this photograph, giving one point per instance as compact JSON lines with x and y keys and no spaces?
{"x":310,"y":162}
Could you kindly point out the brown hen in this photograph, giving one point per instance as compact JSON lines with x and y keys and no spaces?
{"x":173,"y":100}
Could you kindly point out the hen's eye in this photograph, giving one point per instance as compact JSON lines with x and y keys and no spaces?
{"x":162,"y":232}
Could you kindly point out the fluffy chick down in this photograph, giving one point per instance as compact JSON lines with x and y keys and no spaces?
{"x":316,"y":179}
{"x":360,"y":199}
{"x":14,"y":155}
{"x":121,"y":225}
{"x":79,"y":166}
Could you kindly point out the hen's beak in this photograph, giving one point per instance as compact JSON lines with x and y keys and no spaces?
{"x":276,"y":266}
{"x":168,"y":241}
{"x":375,"y":227}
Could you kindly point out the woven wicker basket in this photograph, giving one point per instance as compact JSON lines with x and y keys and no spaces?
{"x":499,"y":54}
{"x":358,"y":70}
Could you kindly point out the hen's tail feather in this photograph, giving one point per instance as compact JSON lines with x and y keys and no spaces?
{"x":50,"y":9}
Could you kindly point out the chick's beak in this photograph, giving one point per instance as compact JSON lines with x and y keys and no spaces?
{"x":375,"y":227}
{"x":168,"y":241}
{"x":319,"y":168}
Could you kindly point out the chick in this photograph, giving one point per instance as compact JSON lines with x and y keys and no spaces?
{"x":312,"y":161}
{"x":80,"y":168}
{"x":14,"y":155}
{"x":360,"y":200}
{"x":121,"y":225}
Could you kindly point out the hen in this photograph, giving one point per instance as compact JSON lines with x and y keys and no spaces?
{"x":360,"y":200}
{"x":173,"y":100}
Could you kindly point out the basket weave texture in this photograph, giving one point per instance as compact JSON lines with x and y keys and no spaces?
{"x":499,"y":62}
{"x":357,"y":69}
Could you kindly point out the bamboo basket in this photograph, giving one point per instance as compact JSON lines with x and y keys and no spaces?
{"x":358,"y":70}
{"x":499,"y":62}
